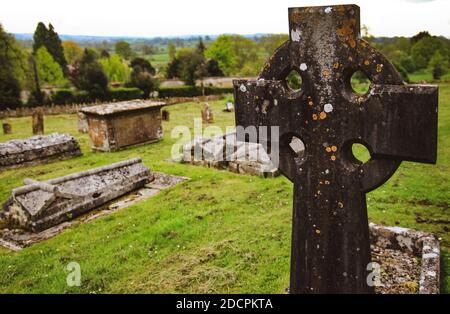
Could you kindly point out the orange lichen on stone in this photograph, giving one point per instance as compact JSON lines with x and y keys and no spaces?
{"x":323,"y":115}
{"x":346,"y":29}
{"x":379,"y":68}
{"x":352,"y":42}
{"x":296,"y":16}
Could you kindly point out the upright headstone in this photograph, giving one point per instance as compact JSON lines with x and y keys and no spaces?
{"x":82,"y":123}
{"x":7,"y":129}
{"x":207,"y":115}
{"x":229,"y":107}
{"x":165,"y":115}
{"x":330,"y":241}
{"x":38,"y":121}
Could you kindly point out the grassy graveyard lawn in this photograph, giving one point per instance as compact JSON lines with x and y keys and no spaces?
{"x":218,"y":232}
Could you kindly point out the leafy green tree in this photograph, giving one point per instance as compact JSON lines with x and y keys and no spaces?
{"x":173,"y":68}
{"x":438,"y":65}
{"x":115,"y":68}
{"x":88,"y":75}
{"x":48,"y":38}
{"x":408,"y":64}
{"x":272,"y":42}
{"x":13,"y":71}
{"x":201,"y":47}
{"x":104,"y":53}
{"x":72,"y":51}
{"x":123,"y":49}
{"x":148,"y":49}
{"x":190,"y":65}
{"x":425,"y":48}
{"x":235,"y":54}
{"x":142,"y":76}
{"x":171,"y":50}
{"x":40,"y":37}
{"x":48,"y":70}
{"x":143,"y":64}
{"x":213,"y":68}
{"x":401,"y":70}
{"x":419,"y":36}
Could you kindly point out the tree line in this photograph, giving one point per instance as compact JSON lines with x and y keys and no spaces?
{"x":49,"y":61}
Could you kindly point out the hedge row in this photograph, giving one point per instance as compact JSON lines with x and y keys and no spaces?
{"x":192,"y":91}
{"x":68,"y":96}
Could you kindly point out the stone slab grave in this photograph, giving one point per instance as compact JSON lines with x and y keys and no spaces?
{"x":118,"y":125}
{"x":39,"y":210}
{"x":227,"y":153}
{"x":409,"y":260}
{"x":38,"y":149}
{"x":330,"y":250}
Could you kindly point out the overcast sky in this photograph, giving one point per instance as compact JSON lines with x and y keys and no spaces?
{"x":148,"y":18}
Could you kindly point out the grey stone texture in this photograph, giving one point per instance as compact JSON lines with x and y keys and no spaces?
{"x":37,"y":149}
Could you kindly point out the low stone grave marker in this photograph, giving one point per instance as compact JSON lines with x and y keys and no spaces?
{"x":7,"y":129}
{"x":37,"y":149}
{"x":41,"y":205}
{"x":229,"y":107}
{"x":395,"y":121}
{"x":82,"y":123}
{"x":226,"y":152}
{"x":165,"y":115}
{"x":38,"y":121}
{"x":207,"y":115}
{"x":118,"y":125}
{"x":40,"y":210}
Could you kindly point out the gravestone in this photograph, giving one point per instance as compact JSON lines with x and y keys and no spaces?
{"x":207,"y":115}
{"x":115,"y":126}
{"x":38,"y":122}
{"x":330,"y":239}
{"x":7,"y":129}
{"x":40,"y":205}
{"x":229,"y":107}
{"x":82,"y":123}
{"x":165,"y":115}
{"x":37,"y":149}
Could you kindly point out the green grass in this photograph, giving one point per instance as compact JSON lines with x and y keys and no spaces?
{"x":160,"y":60}
{"x":425,"y":75}
{"x":218,"y":232}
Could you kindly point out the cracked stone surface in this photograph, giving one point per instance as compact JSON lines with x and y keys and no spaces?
{"x":37,"y":149}
{"x":226,"y":152}
{"x":40,"y":205}
{"x":17,"y":239}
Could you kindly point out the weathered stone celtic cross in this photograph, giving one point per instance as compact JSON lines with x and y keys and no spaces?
{"x":395,"y":121}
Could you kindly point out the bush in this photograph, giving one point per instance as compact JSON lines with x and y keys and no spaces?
{"x":62,"y":96}
{"x":67,"y":96}
{"x":192,"y":91}
{"x":125,"y":93}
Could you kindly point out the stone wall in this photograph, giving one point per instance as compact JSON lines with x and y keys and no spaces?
{"x":74,"y":108}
